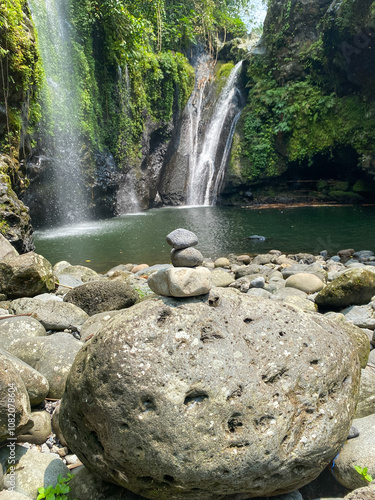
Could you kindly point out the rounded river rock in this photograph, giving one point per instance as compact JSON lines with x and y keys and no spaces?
{"x":223,"y":396}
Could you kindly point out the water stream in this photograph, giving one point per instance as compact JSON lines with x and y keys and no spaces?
{"x":61,"y":136}
{"x":207,"y":168}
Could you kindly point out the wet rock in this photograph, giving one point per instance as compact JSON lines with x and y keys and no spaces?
{"x":51,"y":356}
{"x":100,"y":296}
{"x":26,"y":275}
{"x":40,"y":430}
{"x":37,"y":386}
{"x":13,"y":328}
{"x":354,"y":287}
{"x":175,"y":413}
{"x":221,"y":278}
{"x":34,"y":469}
{"x":366,"y":401}
{"x":12,"y":391}
{"x":53,"y":315}
{"x":182,"y":238}
{"x":359,"y":451}
{"x":307,"y":282}
{"x":181,"y":282}
{"x":187,"y":257}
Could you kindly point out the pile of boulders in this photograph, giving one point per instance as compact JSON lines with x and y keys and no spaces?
{"x":204,"y":379}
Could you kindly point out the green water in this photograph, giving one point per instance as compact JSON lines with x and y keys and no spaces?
{"x":140,"y":238}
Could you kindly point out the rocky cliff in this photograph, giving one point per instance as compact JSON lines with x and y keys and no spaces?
{"x":311,"y":112}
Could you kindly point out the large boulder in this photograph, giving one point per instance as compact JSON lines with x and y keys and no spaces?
{"x":51,"y":356}
{"x":101,"y":296}
{"x":15,"y":410}
{"x":26,"y":275}
{"x":52,"y":314}
{"x":354,"y":287}
{"x":211,"y":397}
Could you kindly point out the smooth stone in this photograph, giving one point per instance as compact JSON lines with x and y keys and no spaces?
{"x":221,"y":278}
{"x":40,"y":431}
{"x":354,"y":287}
{"x":262,"y":259}
{"x":66,"y":283}
{"x":301,"y":303}
{"x":181,"y":282}
{"x":362,"y":316}
{"x":283,"y":293}
{"x":95,"y":324}
{"x":123,"y":268}
{"x":81,"y":273}
{"x":187,"y":257}
{"x":258,"y":282}
{"x":52,"y":315}
{"x":222,"y":262}
{"x":48,"y":296}
{"x":51,"y":356}
{"x":177,"y":400}
{"x":366,"y":401}
{"x":101,"y":296}
{"x":307,"y":282}
{"x":245,"y":259}
{"x":9,"y":377}
{"x":59,"y":266}
{"x":314,"y":269}
{"x":153,"y":269}
{"x":7,"y":250}
{"x":34,"y":470}
{"x":26,"y":275}
{"x":359,"y":451}
{"x":259,"y":292}
{"x":37,"y":386}
{"x":182,"y":238}
{"x":88,"y":486}
{"x":15,"y":328}
{"x":140,"y":267}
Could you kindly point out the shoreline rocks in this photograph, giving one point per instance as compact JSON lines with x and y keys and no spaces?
{"x":276,"y":274}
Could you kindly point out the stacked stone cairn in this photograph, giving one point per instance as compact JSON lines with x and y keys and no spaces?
{"x":186,"y":278}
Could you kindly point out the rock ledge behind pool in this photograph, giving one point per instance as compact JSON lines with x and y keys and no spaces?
{"x":213,"y":397}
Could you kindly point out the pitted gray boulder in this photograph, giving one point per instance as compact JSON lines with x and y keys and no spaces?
{"x":182,"y":238}
{"x":226,"y":396}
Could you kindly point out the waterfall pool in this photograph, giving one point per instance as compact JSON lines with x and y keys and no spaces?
{"x":140,"y":238}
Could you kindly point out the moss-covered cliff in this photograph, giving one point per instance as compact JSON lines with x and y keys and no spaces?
{"x":311,"y":107}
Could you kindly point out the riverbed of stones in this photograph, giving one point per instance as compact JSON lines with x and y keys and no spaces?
{"x":49,"y":316}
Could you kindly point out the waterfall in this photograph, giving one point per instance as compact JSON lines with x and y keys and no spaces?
{"x":207,"y":169}
{"x":61,"y":134}
{"x":127,"y":199}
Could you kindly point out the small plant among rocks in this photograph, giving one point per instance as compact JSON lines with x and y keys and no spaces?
{"x":59,"y":492}
{"x":364,"y":473}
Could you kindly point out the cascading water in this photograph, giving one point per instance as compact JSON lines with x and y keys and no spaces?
{"x":61,"y":137}
{"x":206,"y":169}
{"x":127,"y":199}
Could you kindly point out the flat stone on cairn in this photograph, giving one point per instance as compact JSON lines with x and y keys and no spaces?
{"x":182,"y":238}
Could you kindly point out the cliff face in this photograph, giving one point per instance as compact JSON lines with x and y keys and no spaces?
{"x":311,"y":110}
{"x":19,"y":113}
